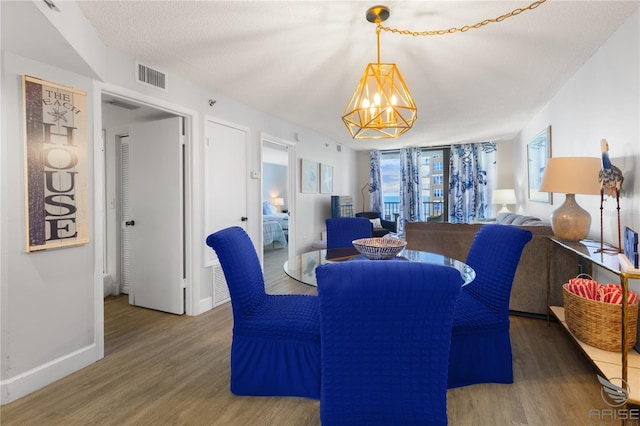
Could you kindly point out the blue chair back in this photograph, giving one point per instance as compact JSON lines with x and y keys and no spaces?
{"x":341,"y":231}
{"x":241,"y":268}
{"x":494,"y":255}
{"x":385,"y":333}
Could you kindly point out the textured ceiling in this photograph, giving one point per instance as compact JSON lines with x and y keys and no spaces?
{"x":301,"y":60}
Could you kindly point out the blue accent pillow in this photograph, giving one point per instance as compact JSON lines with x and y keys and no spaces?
{"x":268,"y":208}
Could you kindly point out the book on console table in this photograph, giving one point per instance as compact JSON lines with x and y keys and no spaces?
{"x":631,"y":246}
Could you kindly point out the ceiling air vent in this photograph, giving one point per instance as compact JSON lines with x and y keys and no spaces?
{"x":151,"y":77}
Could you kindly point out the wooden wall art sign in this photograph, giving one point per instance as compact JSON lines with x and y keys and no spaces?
{"x":56,"y":169}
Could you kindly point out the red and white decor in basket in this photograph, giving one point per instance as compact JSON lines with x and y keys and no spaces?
{"x":593,"y":313}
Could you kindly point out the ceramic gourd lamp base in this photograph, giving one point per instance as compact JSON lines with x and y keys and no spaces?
{"x":570,"y":222}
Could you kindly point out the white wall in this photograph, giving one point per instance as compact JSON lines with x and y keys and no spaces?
{"x":602,"y":100}
{"x":48,"y":297}
{"x":51,"y":301}
{"x":314,"y":209}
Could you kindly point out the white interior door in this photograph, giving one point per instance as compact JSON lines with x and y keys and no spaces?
{"x":156,"y":208}
{"x":226,"y":166}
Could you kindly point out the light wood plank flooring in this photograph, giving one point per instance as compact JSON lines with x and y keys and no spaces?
{"x":162,"y":369}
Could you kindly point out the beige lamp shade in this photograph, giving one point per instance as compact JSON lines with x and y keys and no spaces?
{"x":277,"y":201}
{"x":571,"y":175}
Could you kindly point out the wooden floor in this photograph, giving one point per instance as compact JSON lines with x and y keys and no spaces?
{"x":162,"y":369}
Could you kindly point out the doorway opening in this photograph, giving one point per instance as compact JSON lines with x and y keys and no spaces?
{"x":278,"y":200}
{"x":124,"y":122}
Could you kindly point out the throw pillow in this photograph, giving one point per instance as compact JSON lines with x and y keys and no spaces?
{"x":376,"y":223}
{"x":268,"y":208}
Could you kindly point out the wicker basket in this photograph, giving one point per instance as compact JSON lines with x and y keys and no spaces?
{"x":379,"y":248}
{"x":599,"y":324}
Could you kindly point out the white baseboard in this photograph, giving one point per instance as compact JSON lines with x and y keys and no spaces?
{"x":30,"y":381}
{"x":204,"y":305}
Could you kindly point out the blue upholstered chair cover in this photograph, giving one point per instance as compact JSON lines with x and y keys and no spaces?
{"x":385,"y":334}
{"x":342,"y":230}
{"x":276,"y":338}
{"x":480,"y":343}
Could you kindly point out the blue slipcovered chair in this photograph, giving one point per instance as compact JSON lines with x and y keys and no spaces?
{"x":480,"y":343}
{"x":385,"y":329}
{"x":342,"y":230}
{"x":275,"y":349}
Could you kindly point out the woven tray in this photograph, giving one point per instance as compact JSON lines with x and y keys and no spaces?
{"x":599,"y":324}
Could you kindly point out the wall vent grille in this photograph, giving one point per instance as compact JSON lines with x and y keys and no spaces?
{"x":220,"y":288}
{"x":151,"y":77}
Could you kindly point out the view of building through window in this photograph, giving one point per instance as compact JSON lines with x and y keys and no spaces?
{"x":434,"y":166}
{"x":432,"y":182}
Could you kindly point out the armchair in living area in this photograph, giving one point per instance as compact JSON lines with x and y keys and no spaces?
{"x":381,"y":227}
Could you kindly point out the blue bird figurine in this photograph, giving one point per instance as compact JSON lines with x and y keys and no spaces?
{"x":610,"y":176}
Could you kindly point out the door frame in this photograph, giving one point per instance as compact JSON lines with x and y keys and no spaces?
{"x":192,"y":170}
{"x":292,"y":179}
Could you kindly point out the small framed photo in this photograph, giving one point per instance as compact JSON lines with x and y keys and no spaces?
{"x":538,"y":152}
{"x":326,"y":179}
{"x":309,"y":177}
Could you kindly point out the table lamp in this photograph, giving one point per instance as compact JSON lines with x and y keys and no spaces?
{"x":571,"y":175}
{"x":278,"y":202}
{"x":504,"y":197}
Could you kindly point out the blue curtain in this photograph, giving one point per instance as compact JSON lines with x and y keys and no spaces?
{"x":410,"y":188}
{"x":376,"y":200}
{"x":472,"y":178}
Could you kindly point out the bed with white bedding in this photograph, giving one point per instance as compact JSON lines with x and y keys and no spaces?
{"x":281,"y":218}
{"x":275,"y":225}
{"x":273,"y":233}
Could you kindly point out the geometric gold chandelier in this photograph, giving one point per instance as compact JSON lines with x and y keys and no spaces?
{"x":381,"y":106}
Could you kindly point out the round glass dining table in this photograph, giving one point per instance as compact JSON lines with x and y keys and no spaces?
{"x":303,"y":266}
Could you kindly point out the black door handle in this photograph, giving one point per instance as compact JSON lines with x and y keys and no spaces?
{"x":130,"y":223}
{"x":244,"y":218}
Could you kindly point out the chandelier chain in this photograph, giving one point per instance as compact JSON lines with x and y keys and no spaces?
{"x":465,"y":28}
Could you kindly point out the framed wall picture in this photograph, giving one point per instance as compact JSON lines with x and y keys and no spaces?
{"x":56,"y":168}
{"x":326,"y":179}
{"x":538,"y":151}
{"x":309,"y":177}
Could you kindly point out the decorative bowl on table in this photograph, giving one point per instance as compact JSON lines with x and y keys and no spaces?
{"x":379,"y":248}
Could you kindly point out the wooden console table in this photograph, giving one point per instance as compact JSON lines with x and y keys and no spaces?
{"x":611,"y":364}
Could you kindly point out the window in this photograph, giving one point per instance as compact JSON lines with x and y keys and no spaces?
{"x":434,"y":170}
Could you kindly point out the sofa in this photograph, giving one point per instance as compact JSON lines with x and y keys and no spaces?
{"x":535,"y":286}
